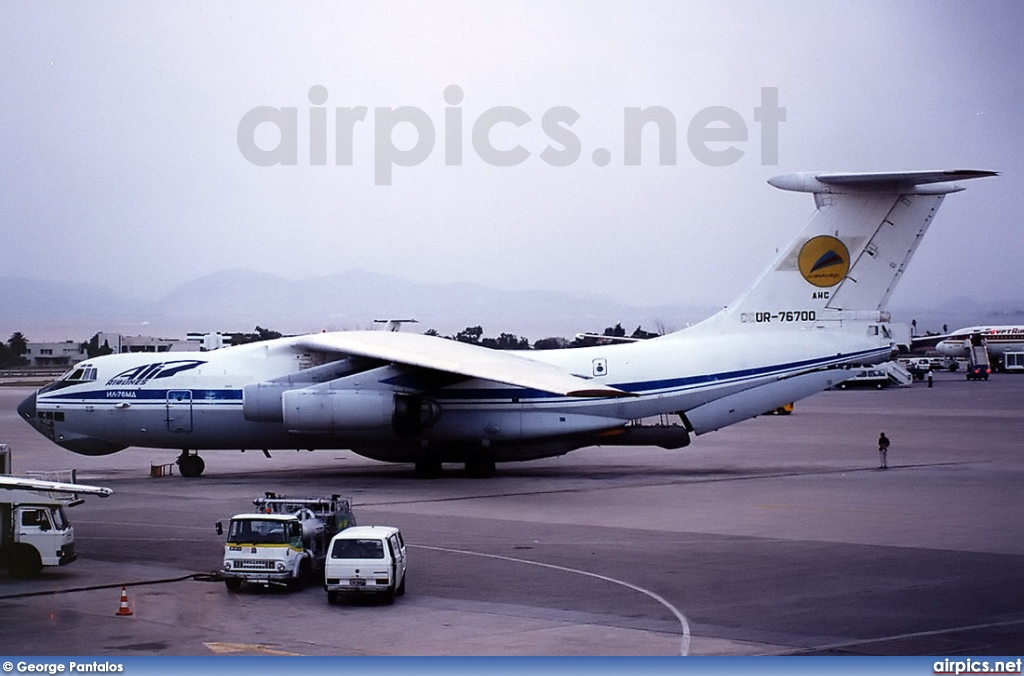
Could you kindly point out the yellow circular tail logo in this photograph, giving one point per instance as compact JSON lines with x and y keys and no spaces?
{"x":824,"y":261}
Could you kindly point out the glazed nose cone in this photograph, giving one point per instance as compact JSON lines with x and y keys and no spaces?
{"x":27,"y":409}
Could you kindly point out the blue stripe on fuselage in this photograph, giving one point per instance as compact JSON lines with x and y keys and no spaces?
{"x":119,"y":394}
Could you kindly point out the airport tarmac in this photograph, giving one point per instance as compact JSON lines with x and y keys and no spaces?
{"x":778,"y":535}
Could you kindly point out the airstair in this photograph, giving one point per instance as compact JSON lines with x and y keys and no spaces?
{"x":890,"y":373}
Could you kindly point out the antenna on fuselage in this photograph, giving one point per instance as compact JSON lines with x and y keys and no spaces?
{"x":394,"y":325}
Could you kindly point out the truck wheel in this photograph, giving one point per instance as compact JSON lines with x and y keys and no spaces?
{"x":25,"y":562}
{"x":401,"y":587}
{"x":332,"y":598}
{"x":233,"y":584}
{"x":389,"y":596}
{"x":303,"y":576}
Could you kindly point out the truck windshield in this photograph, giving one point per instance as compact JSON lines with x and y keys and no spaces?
{"x":258,"y":532}
{"x":60,"y":522}
{"x":357,"y":549}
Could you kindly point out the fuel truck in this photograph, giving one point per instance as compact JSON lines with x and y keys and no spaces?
{"x":283,"y":542}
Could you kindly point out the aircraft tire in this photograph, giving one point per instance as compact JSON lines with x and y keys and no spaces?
{"x":428,"y":469}
{"x":480,"y":468}
{"x":191,"y":466}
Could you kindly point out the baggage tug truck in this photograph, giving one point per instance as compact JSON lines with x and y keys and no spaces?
{"x":284,"y":542}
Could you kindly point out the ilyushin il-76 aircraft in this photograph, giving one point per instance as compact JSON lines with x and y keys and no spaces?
{"x":817,"y":309}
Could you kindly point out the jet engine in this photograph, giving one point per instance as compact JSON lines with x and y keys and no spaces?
{"x":325,"y":410}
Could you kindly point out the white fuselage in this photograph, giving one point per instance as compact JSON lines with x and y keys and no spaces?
{"x":998,"y":339}
{"x":198,"y":400}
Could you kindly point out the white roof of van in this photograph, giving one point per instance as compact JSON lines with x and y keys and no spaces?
{"x":357,"y":532}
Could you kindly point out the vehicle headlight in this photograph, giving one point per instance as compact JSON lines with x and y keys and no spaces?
{"x":280,"y":566}
{"x":227,"y":565}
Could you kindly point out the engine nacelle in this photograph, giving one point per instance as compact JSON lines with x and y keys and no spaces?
{"x":261,"y":402}
{"x":321,"y":410}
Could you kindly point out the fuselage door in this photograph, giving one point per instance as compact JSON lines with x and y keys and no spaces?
{"x":179,"y":411}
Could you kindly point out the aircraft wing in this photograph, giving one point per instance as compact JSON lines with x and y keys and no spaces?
{"x":13,"y":482}
{"x":924,"y":342}
{"x":450,"y":356}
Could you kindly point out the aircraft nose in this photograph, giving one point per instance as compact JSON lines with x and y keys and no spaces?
{"x":27,"y":409}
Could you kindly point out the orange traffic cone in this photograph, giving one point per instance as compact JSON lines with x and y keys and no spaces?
{"x":124,"y":609}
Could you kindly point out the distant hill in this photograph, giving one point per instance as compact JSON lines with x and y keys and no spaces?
{"x":24,"y":298}
{"x":238,"y":300}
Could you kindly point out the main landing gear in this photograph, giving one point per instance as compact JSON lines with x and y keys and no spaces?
{"x":190,"y":464}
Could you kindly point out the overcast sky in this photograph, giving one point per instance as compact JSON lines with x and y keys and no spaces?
{"x":122,"y":130}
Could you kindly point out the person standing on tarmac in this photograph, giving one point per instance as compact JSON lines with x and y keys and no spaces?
{"x":883,"y":451}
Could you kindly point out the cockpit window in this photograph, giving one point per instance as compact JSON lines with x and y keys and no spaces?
{"x":82,"y":373}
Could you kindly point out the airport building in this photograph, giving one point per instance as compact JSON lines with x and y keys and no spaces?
{"x":69,"y":353}
{"x":121,"y":344}
{"x":55,"y":354}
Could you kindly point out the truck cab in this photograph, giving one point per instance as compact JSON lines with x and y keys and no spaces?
{"x":265,"y":549}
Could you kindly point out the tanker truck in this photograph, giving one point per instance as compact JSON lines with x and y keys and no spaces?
{"x":283,"y":542}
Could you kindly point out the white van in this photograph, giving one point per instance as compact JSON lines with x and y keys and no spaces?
{"x":366,"y":560}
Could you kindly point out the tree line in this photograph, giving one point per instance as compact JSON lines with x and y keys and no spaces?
{"x":510,"y":341}
{"x":12,"y":353}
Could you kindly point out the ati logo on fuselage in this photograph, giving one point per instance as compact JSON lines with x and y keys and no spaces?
{"x":140,"y":375}
{"x":824,"y":261}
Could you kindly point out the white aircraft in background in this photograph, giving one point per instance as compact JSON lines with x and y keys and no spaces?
{"x":998,"y":339}
{"x":401,"y":397}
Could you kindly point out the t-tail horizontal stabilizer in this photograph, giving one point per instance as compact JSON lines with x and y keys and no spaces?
{"x":852,"y":252}
{"x":911,"y":182}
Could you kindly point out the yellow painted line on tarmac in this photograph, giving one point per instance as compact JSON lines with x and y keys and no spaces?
{"x":258,"y":648}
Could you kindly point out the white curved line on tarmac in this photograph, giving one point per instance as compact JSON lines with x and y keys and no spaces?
{"x":684,"y":647}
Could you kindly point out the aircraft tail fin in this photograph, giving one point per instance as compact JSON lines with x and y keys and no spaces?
{"x":852,"y":252}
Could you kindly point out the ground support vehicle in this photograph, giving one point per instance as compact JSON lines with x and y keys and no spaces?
{"x":34,"y":532}
{"x":978,"y":366}
{"x":366,"y":560}
{"x":1013,"y":361}
{"x":284,"y":542}
{"x":879,"y":376}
